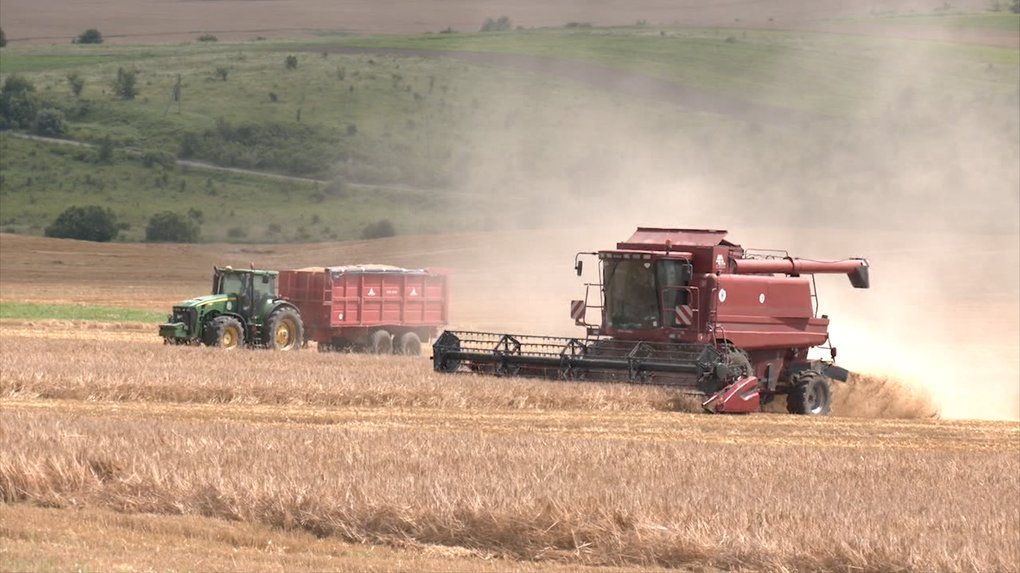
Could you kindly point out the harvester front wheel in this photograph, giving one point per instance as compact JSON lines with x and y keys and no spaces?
{"x":810,"y":394}
{"x":381,"y":342}
{"x":284,"y":330}
{"x":410,"y":344}
{"x":225,"y":332}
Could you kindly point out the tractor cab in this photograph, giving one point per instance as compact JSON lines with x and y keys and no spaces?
{"x":248,"y":286}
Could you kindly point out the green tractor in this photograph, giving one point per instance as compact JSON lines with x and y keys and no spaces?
{"x":244,"y":309}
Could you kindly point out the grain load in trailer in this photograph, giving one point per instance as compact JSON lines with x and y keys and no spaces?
{"x":685,"y":308}
{"x":378,"y":308}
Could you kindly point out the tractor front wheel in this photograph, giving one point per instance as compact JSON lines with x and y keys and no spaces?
{"x":810,"y":394}
{"x":224,"y":332}
{"x":284,"y":330}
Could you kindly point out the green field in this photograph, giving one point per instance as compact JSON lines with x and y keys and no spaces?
{"x":38,"y":311}
{"x":433,"y":143}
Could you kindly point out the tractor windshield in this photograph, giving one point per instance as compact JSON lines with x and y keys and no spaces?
{"x":631,"y":298}
{"x":230,"y":283}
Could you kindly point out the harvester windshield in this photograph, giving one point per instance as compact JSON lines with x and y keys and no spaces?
{"x":632,"y":300}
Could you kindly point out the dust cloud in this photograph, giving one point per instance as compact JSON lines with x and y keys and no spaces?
{"x":916,"y":170}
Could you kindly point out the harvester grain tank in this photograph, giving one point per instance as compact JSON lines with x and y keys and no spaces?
{"x":684,"y":308}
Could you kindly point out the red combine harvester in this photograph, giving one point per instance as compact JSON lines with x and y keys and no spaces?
{"x":376,"y":307}
{"x":685,"y":308}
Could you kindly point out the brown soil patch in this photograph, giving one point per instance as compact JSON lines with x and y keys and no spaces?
{"x":128,"y":21}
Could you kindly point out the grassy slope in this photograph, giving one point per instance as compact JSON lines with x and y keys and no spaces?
{"x":438,"y":124}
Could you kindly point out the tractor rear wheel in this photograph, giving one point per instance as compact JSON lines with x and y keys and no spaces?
{"x":381,"y":342}
{"x":284,"y":330}
{"x":810,"y":394}
{"x":410,"y":344}
{"x":224,"y":332}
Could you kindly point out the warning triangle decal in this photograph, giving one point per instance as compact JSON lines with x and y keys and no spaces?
{"x":371,"y":291}
{"x":414,"y":292}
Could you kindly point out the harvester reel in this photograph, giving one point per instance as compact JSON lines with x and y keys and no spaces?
{"x":508,"y":346}
{"x":447,"y":342}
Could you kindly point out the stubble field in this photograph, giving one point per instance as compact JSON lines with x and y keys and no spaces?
{"x":120,"y":453}
{"x":264,"y":461}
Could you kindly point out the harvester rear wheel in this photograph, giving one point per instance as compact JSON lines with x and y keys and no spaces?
{"x":224,"y":332}
{"x":410,"y":344}
{"x":810,"y":394}
{"x":381,"y":342}
{"x":284,"y":330}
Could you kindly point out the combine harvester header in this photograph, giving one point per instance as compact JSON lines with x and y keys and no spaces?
{"x":684,"y":308}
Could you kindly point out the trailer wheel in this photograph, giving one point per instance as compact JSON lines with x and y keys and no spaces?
{"x":381,"y":342}
{"x":284,"y":330}
{"x":410,"y":344}
{"x":224,"y":332}
{"x":810,"y":394}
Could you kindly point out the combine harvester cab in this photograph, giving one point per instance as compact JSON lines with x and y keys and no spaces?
{"x":683,"y":308}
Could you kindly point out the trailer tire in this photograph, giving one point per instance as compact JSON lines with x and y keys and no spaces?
{"x":284,"y":330}
{"x":810,"y":394}
{"x":410,"y":344}
{"x":224,"y":332}
{"x":381,"y":342}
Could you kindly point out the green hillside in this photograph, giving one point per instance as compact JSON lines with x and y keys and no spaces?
{"x":489,"y":130}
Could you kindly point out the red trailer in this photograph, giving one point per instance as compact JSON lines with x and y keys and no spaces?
{"x":379,"y":308}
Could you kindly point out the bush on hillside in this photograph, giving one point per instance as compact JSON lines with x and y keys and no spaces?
{"x":170,"y":227}
{"x":126,"y":84}
{"x":18,"y":103}
{"x":292,"y":148}
{"x":76,"y":82}
{"x":49,"y":123}
{"x":91,"y":223}
{"x":90,"y":36}
{"x":160,"y":158}
{"x":3,"y":38}
{"x":501,"y":24}
{"x":378,"y":230}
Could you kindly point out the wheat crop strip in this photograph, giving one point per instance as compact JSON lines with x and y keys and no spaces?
{"x":133,"y":366}
{"x":533,"y":495}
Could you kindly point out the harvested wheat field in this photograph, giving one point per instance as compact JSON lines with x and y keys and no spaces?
{"x":120,"y":452}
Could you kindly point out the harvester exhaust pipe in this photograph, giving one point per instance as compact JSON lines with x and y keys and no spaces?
{"x":855,"y":269}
